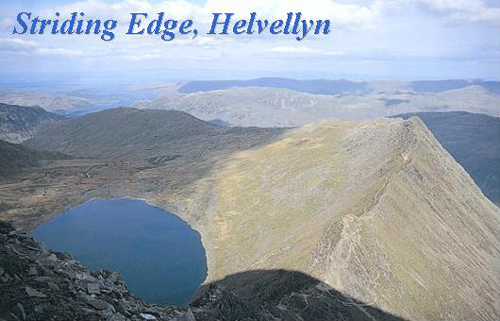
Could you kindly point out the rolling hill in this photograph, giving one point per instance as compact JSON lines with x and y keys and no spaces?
{"x":131,"y":134}
{"x":450,"y":84}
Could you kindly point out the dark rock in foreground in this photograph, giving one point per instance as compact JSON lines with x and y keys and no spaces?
{"x":38,"y":284}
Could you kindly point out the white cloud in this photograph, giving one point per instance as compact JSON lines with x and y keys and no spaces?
{"x":16,"y":44}
{"x":6,"y":23}
{"x":31,"y":47}
{"x":303,"y":51}
{"x":392,"y":31}
{"x":59,"y":52}
{"x":339,"y":13}
{"x":292,"y":50}
{"x":465,"y":10}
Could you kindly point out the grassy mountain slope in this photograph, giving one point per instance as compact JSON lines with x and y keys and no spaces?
{"x":13,"y":156}
{"x":122,"y":133}
{"x":378,"y":210}
{"x":131,"y":134}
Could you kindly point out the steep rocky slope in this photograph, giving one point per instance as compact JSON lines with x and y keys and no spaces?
{"x":378,"y":210}
{"x":20,"y":123}
{"x":474,"y":141}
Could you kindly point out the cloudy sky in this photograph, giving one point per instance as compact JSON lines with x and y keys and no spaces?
{"x":370,"y":39}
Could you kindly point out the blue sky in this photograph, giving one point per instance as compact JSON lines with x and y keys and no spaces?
{"x":370,"y":39}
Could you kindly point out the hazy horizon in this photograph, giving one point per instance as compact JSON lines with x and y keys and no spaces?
{"x":370,"y":39}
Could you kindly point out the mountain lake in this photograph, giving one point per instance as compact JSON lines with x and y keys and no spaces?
{"x":160,"y":257}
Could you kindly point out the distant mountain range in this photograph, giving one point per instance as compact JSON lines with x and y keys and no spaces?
{"x":318,"y":86}
{"x":474,"y":141}
{"x":47,"y":100}
{"x":20,"y":123}
{"x":278,"y":107}
{"x":273,"y":101}
{"x":336,"y":87}
{"x":430,"y":86}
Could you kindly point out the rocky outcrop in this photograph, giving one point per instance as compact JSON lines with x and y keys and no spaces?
{"x":38,"y":284}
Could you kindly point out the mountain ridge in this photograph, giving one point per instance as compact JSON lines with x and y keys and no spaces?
{"x":472,"y":139}
{"x":380,"y":210}
{"x":282,"y":107}
{"x":19,"y":123}
{"x":314,"y":86}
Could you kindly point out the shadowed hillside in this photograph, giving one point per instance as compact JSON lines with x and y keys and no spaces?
{"x":281,"y":295}
{"x":20,"y":123}
{"x":13,"y":156}
{"x":156,"y":135}
{"x":474,"y":141}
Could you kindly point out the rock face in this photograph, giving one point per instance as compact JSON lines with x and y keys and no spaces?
{"x":377,"y":210}
{"x":20,"y":123}
{"x":38,"y":284}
